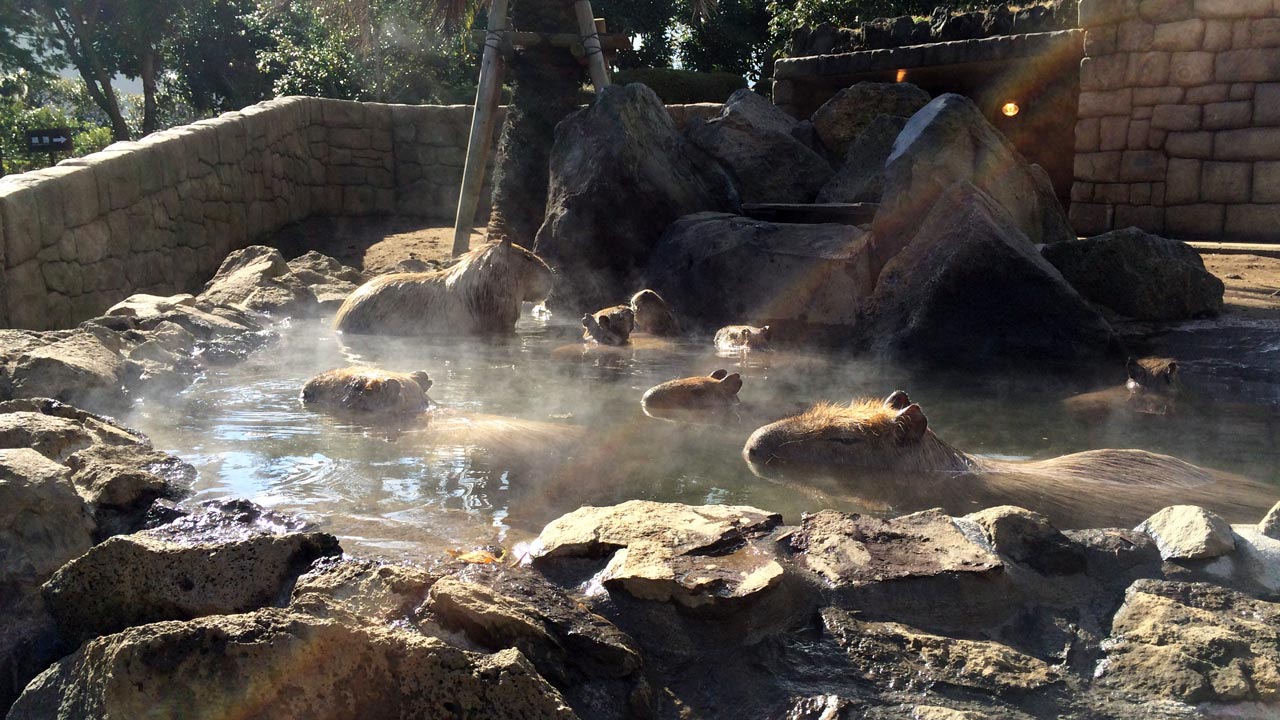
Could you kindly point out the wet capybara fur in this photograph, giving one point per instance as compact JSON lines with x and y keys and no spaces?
{"x":480,"y":294}
{"x":653,"y":315}
{"x":742,"y":337}
{"x":889,"y":443}
{"x":610,"y":326}
{"x":719,"y":389}
{"x":367,"y":391}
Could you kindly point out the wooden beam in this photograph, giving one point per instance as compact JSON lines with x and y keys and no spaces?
{"x":610,"y":42}
{"x":482,"y":119}
{"x":591,"y":44}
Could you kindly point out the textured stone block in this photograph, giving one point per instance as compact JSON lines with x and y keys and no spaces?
{"x":1176,"y":117}
{"x":1081,"y":192}
{"x":1241,"y":91}
{"x":1253,"y":222}
{"x":1227,"y":115}
{"x":1139,"y":131}
{"x":1247,"y":144}
{"x":1182,"y":185}
{"x":1147,"y":69}
{"x":1094,"y":13}
{"x":1266,"y":104}
{"x":1168,"y":95}
{"x":1194,"y":221}
{"x":1189,"y":144}
{"x":1090,"y":218}
{"x":1107,"y":102}
{"x":1265,"y":33}
{"x":1140,"y":165}
{"x":1134,"y":36}
{"x":1184,"y":35}
{"x":1141,"y":216}
{"x":1141,"y":113}
{"x":1087,"y":135}
{"x":1253,"y":65}
{"x":1164,"y":11}
{"x":1191,"y":68}
{"x":1098,"y":167}
{"x":1113,"y":133}
{"x":1217,"y":35}
{"x":1097,"y":42}
{"x":1206,"y":94}
{"x":1111,"y":193}
{"x":1140,"y":193}
{"x":1232,"y":8}
{"x":1156,"y":139}
{"x":1266,"y":182}
{"x":1226,"y":182}
{"x":1103,"y":73}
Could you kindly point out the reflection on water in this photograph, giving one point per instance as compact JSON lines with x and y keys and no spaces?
{"x":526,"y":433}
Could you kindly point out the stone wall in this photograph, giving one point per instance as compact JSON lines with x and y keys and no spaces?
{"x":160,"y":214}
{"x":1179,"y":118}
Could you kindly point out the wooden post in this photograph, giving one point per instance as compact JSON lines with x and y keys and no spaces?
{"x":591,"y":43}
{"x":482,"y":118}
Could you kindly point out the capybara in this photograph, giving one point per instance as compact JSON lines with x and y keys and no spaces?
{"x":480,"y":294}
{"x":1152,"y":388}
{"x":653,"y":315}
{"x":742,"y":337}
{"x":367,"y":390}
{"x":717,"y":390}
{"x":610,"y":326}
{"x":886,"y":448}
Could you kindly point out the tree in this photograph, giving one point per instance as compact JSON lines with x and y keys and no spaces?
{"x":32,"y":100}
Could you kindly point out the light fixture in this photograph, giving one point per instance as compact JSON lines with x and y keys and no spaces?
{"x":1010,"y":109}
{"x":902,"y":76}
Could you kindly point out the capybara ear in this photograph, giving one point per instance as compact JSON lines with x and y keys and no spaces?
{"x":765,"y":331}
{"x":719,"y":374}
{"x":423,"y":380}
{"x":1173,"y":368}
{"x":731,"y":383}
{"x":911,"y":424}
{"x":1132,"y":368}
{"x":897,"y":400}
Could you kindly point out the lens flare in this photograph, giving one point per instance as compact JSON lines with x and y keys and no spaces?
{"x":1010,"y":109}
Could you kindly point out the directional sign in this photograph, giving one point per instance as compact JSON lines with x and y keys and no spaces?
{"x":49,"y":140}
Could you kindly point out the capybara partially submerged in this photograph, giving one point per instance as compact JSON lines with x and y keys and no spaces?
{"x":480,"y":294}
{"x":610,"y":326}
{"x":742,"y":337}
{"x":717,"y":390}
{"x":653,"y":315}
{"x":1152,"y":388}
{"x":367,"y":390}
{"x":885,"y":448}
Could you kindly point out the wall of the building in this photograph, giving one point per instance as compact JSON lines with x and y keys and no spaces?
{"x":1179,"y":118}
{"x":160,"y":214}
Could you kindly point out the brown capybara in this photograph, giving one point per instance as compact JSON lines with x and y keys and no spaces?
{"x":367,"y":390}
{"x":1152,"y":388}
{"x":653,"y":315}
{"x":885,"y":448}
{"x":736,"y":338}
{"x":480,"y":294}
{"x":717,"y":390}
{"x":610,"y":326}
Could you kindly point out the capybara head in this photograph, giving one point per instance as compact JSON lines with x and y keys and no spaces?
{"x":719,"y":389}
{"x":534,"y":276}
{"x":743,"y":337}
{"x":889,"y":434}
{"x":653,"y":315}
{"x":610,"y":326}
{"x":367,"y":390}
{"x":1153,"y":374}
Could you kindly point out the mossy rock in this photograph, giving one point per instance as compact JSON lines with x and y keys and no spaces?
{"x":678,"y":87}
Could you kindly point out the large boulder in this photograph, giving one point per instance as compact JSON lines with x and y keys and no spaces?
{"x":971,"y":288}
{"x":1194,"y":643}
{"x":717,"y":269}
{"x":1139,"y":275}
{"x":83,"y":368}
{"x":754,"y":141}
{"x":843,"y":118}
{"x":257,"y":278}
{"x":620,"y":174}
{"x":286,"y":665}
{"x":861,"y":177}
{"x":949,"y":141}
{"x":1188,"y":532}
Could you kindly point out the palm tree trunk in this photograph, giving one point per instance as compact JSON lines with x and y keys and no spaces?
{"x":150,"y":123}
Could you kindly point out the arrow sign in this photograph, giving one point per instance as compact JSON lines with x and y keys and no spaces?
{"x":49,"y":140}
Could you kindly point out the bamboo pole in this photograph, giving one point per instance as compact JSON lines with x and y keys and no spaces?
{"x":591,"y":44}
{"x":482,"y":119}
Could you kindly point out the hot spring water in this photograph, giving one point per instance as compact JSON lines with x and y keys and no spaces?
{"x":414,"y":492}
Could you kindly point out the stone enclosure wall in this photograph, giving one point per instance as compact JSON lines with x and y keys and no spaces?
{"x":1179,"y":118}
{"x":160,"y":214}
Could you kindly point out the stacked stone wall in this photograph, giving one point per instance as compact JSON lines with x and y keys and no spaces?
{"x":160,"y":214}
{"x":1179,"y":118}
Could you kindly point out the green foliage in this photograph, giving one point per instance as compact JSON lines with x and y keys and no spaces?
{"x":29,"y":101}
{"x":684,"y":86}
{"x":303,"y":56}
{"x":735,"y":38}
{"x":791,"y":14}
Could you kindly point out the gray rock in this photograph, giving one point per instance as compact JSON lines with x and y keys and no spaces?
{"x":753,"y":140}
{"x":80,"y":369}
{"x":1028,"y":537}
{"x":298,"y":666}
{"x":970,"y":288}
{"x":1188,"y":532}
{"x":362,"y":591}
{"x":861,"y":177}
{"x":950,"y":141}
{"x":257,"y":278}
{"x":1194,"y":643}
{"x":121,"y":483}
{"x":132,"y":580}
{"x":1270,"y":524}
{"x":143,"y":306}
{"x":717,"y":269}
{"x":1139,"y":275}
{"x":696,"y":556}
{"x":43,"y":522}
{"x":620,"y":174}
{"x":843,"y":118}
